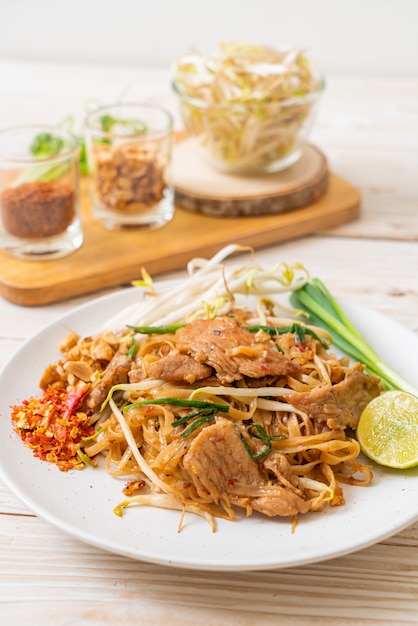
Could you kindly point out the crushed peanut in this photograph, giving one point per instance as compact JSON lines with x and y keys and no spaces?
{"x":129,"y":178}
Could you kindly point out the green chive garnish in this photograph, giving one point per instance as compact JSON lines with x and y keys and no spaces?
{"x":156,"y":330}
{"x":299,"y":330}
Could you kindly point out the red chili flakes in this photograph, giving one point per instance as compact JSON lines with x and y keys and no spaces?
{"x":37,"y":209}
{"x":52,"y":426}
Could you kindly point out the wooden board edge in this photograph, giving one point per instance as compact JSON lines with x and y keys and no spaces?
{"x":294,"y":224}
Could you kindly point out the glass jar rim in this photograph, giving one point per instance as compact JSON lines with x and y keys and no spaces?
{"x":149,"y":134}
{"x":71,"y":144}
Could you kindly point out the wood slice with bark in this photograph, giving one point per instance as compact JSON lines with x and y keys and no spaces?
{"x":202,"y":189}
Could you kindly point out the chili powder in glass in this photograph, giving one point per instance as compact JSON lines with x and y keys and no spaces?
{"x":37,"y":209}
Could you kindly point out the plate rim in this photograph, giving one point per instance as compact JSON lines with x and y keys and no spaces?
{"x":188,"y":563}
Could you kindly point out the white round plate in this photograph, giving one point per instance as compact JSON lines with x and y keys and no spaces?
{"x":81,"y":503}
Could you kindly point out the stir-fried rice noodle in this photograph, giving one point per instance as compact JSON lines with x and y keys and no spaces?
{"x":205,"y":436}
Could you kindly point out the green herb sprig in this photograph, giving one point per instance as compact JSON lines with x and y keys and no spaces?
{"x":256,"y":430}
{"x":191,"y":415}
{"x":108,"y":122}
{"x":204,"y":417}
{"x":132,"y":349}
{"x":205,"y":412}
{"x":46,"y":145}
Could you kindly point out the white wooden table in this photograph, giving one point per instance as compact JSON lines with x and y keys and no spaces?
{"x":368,"y":127}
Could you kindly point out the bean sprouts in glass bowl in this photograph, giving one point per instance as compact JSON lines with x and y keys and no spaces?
{"x":248,"y":107}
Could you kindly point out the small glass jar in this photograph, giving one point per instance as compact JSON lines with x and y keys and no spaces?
{"x":39,"y":193}
{"x":129,"y":157}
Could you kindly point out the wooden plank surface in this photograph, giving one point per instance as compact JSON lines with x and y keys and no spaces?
{"x":367,"y":127}
{"x":142,"y":594}
{"x":110,"y":258}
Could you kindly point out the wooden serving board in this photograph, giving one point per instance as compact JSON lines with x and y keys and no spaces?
{"x":109,"y":259}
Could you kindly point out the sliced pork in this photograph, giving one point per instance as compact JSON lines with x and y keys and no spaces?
{"x":232,"y":351}
{"x":342,"y":404}
{"x":221,"y":469}
{"x":179,"y":368}
{"x":115,"y":373}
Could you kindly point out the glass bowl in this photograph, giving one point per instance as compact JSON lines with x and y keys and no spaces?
{"x":249,"y":109}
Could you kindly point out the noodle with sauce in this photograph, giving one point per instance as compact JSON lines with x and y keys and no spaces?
{"x":226,"y":409}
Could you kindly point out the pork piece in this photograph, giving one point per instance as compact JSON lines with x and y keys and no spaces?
{"x":179,"y":368}
{"x":221,"y":469}
{"x":232,"y":351}
{"x":339,"y":405}
{"x":136,"y":375}
{"x":115,"y":373}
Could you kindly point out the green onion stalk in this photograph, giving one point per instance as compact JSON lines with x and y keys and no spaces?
{"x":315,"y":301}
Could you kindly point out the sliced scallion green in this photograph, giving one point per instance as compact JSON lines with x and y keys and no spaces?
{"x":196,"y":404}
{"x":197,"y":423}
{"x":156,"y":330}
{"x":297,"y":329}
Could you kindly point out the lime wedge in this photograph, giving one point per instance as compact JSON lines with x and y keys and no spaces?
{"x":388,"y":430}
